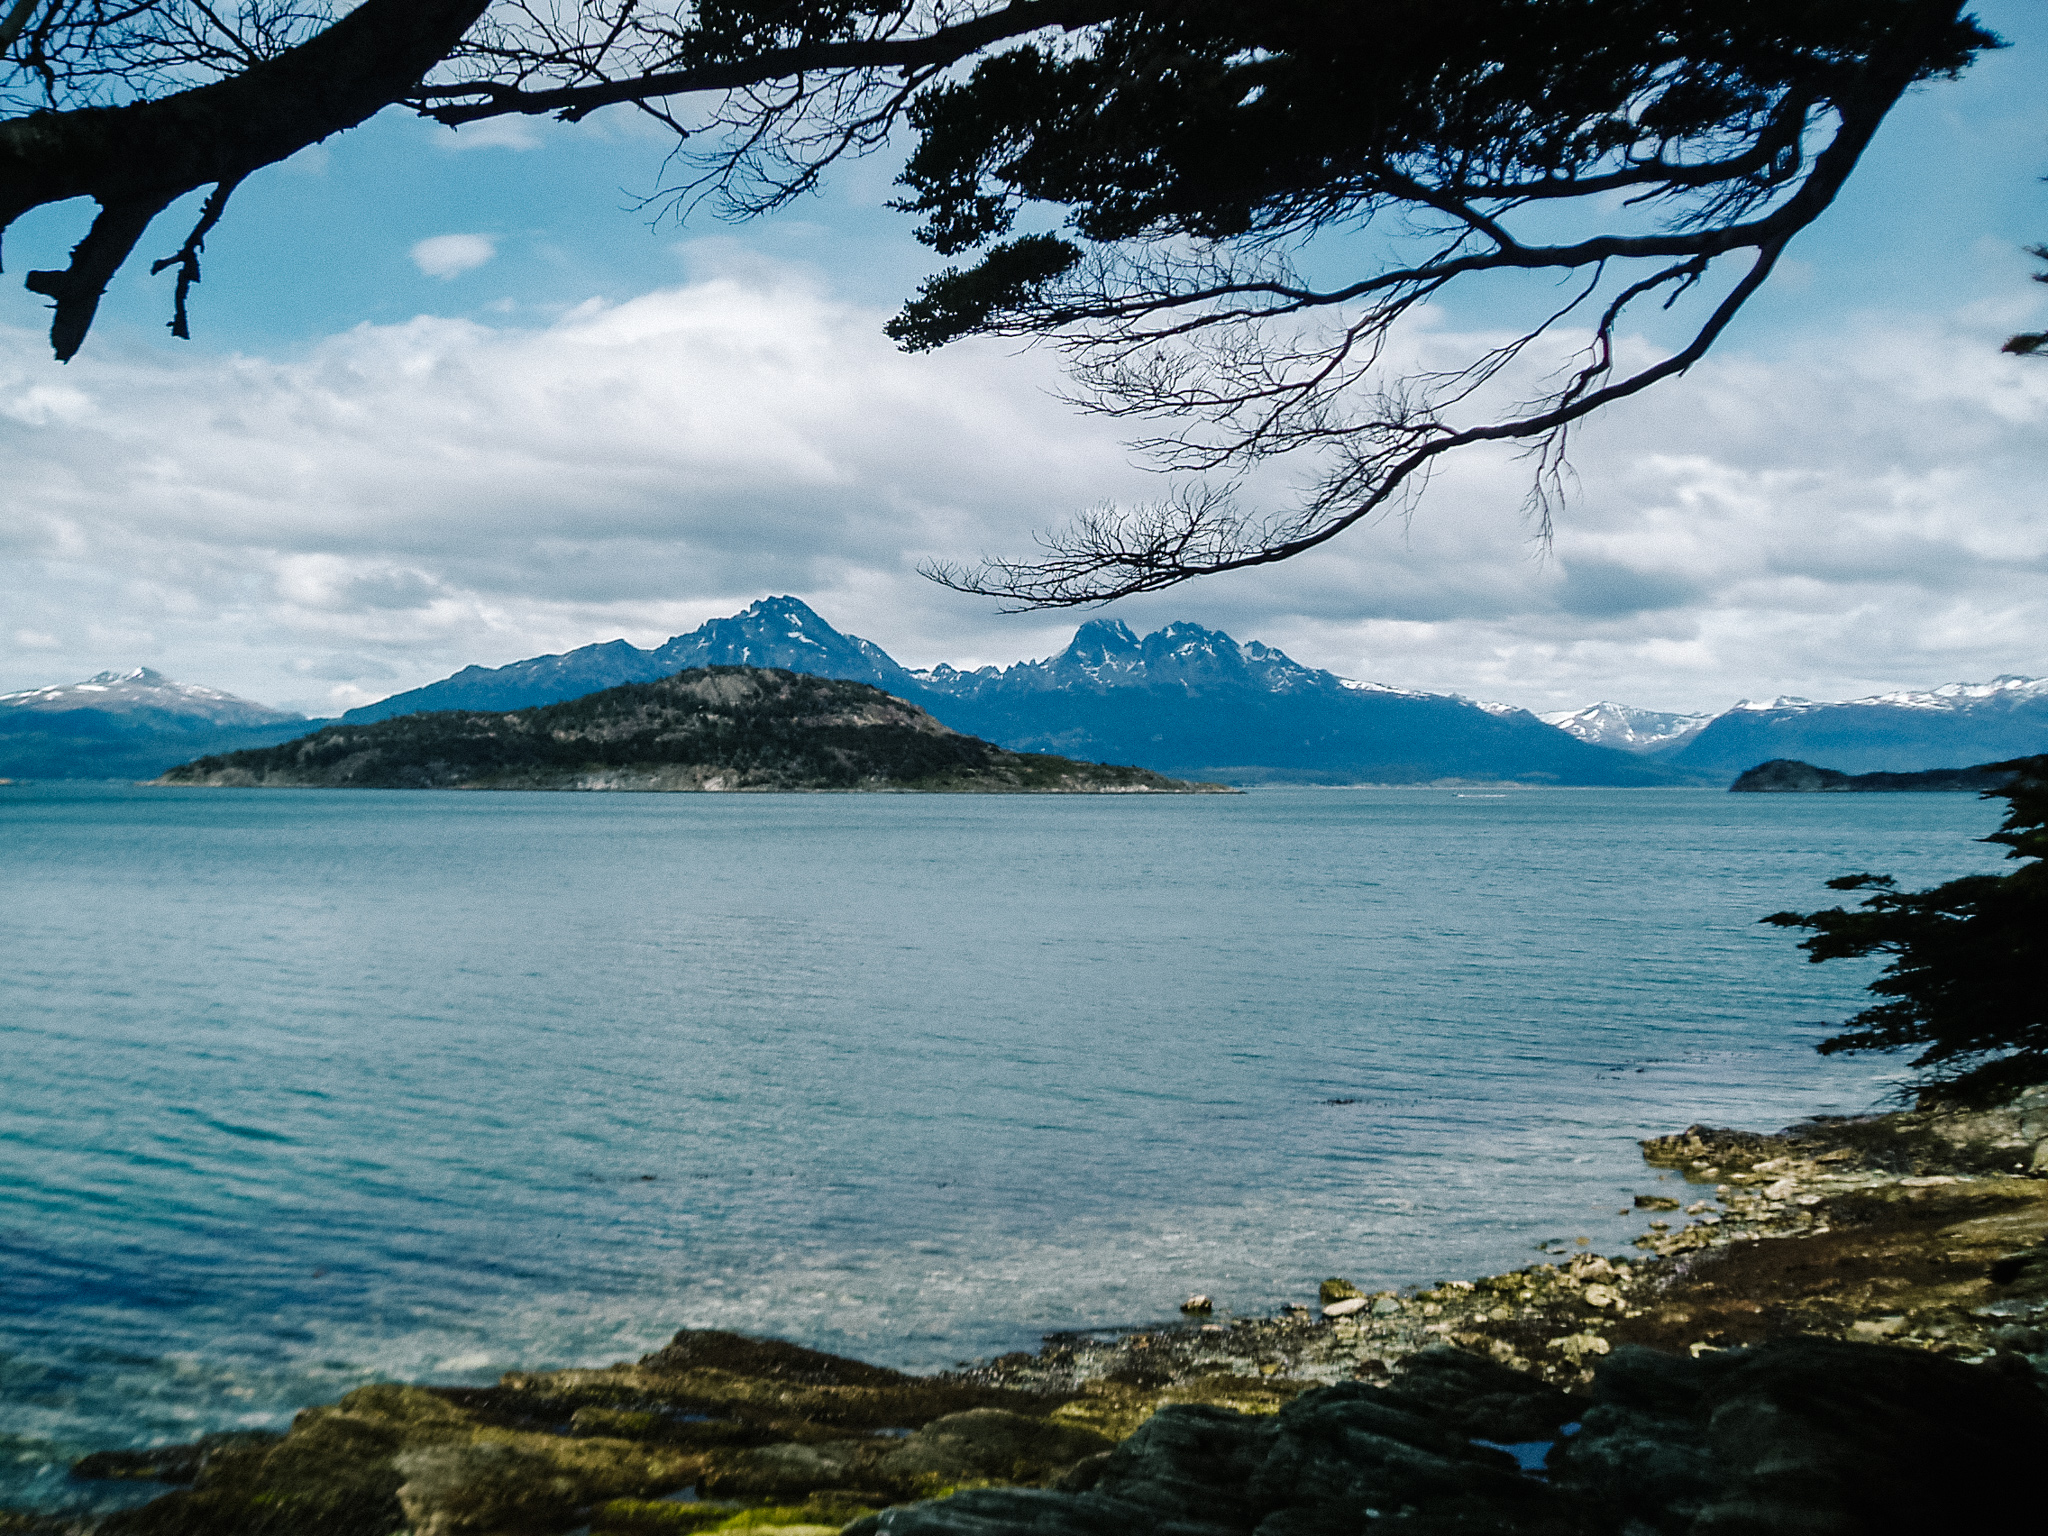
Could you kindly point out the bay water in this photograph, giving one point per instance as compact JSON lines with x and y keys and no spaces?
{"x":303,"y":1089}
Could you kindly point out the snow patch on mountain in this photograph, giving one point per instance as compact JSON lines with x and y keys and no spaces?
{"x":142,"y":689}
{"x":2006,"y":689}
{"x":1608,"y":724}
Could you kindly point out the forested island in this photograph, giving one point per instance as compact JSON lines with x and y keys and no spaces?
{"x":706,"y":729}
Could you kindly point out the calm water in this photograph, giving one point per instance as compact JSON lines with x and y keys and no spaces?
{"x":300,"y":1089}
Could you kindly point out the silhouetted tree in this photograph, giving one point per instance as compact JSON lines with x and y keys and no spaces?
{"x":2031,"y":343}
{"x":1140,"y":182}
{"x":1968,"y":986}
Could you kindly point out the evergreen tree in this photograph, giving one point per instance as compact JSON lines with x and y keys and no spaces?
{"x":1968,"y":984}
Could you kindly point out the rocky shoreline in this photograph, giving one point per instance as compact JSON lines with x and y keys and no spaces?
{"x":1842,"y":1327}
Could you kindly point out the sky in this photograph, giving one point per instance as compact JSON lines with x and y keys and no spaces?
{"x":459,"y":398}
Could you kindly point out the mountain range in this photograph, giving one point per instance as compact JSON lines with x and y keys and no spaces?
{"x":1902,"y":732}
{"x":1183,"y":700}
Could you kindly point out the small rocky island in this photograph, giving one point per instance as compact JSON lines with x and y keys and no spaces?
{"x":707,"y":729}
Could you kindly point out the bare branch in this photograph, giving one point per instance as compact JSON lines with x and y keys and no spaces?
{"x":186,"y":260}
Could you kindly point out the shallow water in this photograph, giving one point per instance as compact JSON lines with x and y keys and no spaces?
{"x":303,"y":1089}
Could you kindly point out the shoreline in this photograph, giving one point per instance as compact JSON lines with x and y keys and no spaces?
{"x":1914,"y":1240}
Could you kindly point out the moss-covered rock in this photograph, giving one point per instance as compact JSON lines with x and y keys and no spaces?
{"x":789,"y":1470}
{"x":761,"y":1391}
{"x":989,"y":1445}
{"x":642,"y":1517}
{"x":486,"y":1488}
{"x":386,"y":1458}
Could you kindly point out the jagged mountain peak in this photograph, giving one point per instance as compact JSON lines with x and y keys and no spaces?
{"x":799,"y":619}
{"x":1182,"y":653}
{"x":1099,"y":641}
{"x":780,"y":632}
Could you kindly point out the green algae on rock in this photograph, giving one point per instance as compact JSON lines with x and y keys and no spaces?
{"x":741,"y":729}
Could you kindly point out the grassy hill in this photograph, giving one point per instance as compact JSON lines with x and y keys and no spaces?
{"x":711,"y":728}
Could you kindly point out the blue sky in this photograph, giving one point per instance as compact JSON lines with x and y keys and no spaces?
{"x":1717,"y":529}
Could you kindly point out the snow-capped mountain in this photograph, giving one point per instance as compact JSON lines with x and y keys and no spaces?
{"x":1104,"y":653}
{"x":775,"y":632}
{"x":2006,"y":691}
{"x":1183,"y":698}
{"x":140,"y":690}
{"x":129,"y":725}
{"x":1907,"y":731}
{"x":1608,"y":724}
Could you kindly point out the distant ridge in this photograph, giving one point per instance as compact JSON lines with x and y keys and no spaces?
{"x":1784,"y":776}
{"x":127,"y":725}
{"x":1183,"y":700}
{"x":1902,"y":732}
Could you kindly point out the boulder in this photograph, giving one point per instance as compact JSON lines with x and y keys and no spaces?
{"x":484,"y":1489}
{"x":987,"y":1444}
{"x":1482,"y":1398}
{"x":700,"y":1349}
{"x":786,"y":1471}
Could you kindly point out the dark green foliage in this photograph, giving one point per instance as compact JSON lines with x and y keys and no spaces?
{"x":1968,"y":987}
{"x":753,"y":728}
{"x":956,"y":303}
{"x":1224,"y":119}
{"x":2031,"y":343}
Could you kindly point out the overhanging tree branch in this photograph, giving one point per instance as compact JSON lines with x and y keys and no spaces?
{"x":1132,"y":182}
{"x":1224,"y":360}
{"x":135,"y":160}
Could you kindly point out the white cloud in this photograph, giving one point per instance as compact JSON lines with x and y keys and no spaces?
{"x":446,"y":256}
{"x":514,"y":133}
{"x":406,"y":499}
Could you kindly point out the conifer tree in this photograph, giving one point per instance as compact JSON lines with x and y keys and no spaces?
{"x":1968,"y":982}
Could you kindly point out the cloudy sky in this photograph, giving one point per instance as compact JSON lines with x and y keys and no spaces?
{"x":453,"y":400}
